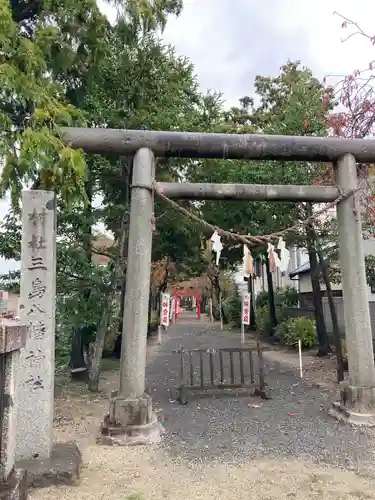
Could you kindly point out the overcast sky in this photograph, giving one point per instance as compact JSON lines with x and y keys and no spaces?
{"x":232,"y":41}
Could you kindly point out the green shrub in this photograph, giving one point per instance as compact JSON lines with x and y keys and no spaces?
{"x":262,"y":317}
{"x":281,"y":330}
{"x":216,"y":312}
{"x":295,"y":329}
{"x":232,"y":309}
{"x":284,"y":314}
{"x":287,"y":297}
{"x":261,"y":300}
{"x":284,"y":297}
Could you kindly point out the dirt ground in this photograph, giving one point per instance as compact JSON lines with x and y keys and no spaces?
{"x":164,"y":472}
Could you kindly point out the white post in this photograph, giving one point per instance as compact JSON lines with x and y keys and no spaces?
{"x":37,"y":310}
{"x":221,"y":313}
{"x":300,"y":358}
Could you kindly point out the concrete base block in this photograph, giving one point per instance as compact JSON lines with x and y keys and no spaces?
{"x":16,"y":486}
{"x":357,"y":406}
{"x":130,"y":421}
{"x":131,"y":411}
{"x":62,"y":467}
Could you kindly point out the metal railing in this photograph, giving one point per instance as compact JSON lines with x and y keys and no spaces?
{"x":218,"y":369}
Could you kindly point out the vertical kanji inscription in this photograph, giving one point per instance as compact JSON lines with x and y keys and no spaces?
{"x":37,"y":310}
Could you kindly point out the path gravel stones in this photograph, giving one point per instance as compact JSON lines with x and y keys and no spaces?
{"x":293,"y":425}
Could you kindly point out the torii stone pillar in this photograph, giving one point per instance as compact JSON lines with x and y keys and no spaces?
{"x":131,"y":419}
{"x":357,"y":405}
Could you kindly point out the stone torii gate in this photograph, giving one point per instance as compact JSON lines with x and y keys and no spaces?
{"x":191,"y":288}
{"x":131,"y":416}
{"x":188,"y":293}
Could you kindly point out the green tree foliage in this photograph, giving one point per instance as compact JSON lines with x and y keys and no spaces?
{"x":370,"y":269}
{"x":64,"y":64}
{"x":51,"y":52}
{"x":36,"y":42}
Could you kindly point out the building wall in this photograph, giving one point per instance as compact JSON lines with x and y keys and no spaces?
{"x":9,"y":302}
{"x":304,"y":311}
{"x":13,"y":303}
{"x":340,"y":315}
{"x":101,"y":242}
{"x":305,"y":286}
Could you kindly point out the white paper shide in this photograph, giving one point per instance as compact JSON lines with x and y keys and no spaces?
{"x":217,"y":246}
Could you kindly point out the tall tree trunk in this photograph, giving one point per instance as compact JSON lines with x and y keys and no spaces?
{"x":224,"y":317}
{"x":117,"y":313}
{"x":250,"y":290}
{"x":324,"y":347}
{"x":271,"y":294}
{"x":77,"y":362}
{"x":118,"y":276}
{"x":219,"y":305}
{"x":333,"y":312}
{"x":216,"y":291}
{"x":96,"y":348}
{"x":128,"y":173}
{"x":77,"y":359}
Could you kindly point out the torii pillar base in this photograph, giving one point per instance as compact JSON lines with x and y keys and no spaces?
{"x":357,"y":406}
{"x":130,"y":422}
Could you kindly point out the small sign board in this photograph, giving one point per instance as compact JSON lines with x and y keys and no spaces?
{"x":165,"y":309}
{"x":246,"y":309}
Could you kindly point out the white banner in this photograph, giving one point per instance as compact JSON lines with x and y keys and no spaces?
{"x":246,"y":309}
{"x":165,"y":308}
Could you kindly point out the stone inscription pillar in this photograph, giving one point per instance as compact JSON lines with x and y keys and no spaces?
{"x":37,"y":311}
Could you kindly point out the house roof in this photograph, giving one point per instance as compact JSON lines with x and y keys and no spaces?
{"x":304,"y":268}
{"x":101,"y":242}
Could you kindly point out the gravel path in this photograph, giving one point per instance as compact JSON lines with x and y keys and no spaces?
{"x":235,"y":429}
{"x":223,"y":448}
